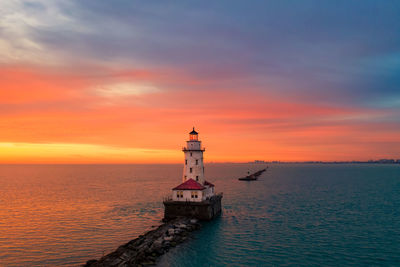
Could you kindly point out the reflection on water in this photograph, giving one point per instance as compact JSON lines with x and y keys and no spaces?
{"x":295,"y":214}
{"x":67,"y":214}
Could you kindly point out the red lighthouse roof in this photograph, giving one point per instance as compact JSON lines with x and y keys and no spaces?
{"x":189,"y":185}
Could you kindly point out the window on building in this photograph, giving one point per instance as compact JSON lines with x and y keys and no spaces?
{"x":197,"y":177}
{"x":191,"y":170}
{"x":197,"y":162}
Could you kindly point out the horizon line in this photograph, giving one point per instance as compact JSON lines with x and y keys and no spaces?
{"x":382,"y":161}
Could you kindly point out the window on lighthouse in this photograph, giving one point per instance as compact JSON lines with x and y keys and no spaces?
{"x":191,"y":170}
{"x":197,"y":162}
{"x":185,"y":161}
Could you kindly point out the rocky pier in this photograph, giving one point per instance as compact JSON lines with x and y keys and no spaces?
{"x":146,"y":249}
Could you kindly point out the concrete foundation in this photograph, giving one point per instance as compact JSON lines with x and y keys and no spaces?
{"x":205,"y":210}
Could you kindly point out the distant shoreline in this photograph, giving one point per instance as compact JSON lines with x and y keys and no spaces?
{"x":328,"y":162}
{"x":212,"y":162}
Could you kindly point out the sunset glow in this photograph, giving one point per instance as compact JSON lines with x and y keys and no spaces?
{"x":81,"y":82}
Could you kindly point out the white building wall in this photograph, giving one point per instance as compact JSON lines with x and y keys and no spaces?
{"x":194,"y":163}
{"x":208,"y":192}
{"x":187,"y":195}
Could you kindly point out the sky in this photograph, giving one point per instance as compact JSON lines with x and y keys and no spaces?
{"x":125,"y":81}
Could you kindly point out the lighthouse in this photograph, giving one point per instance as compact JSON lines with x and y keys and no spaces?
{"x":194,"y":166}
{"x":194,"y":197}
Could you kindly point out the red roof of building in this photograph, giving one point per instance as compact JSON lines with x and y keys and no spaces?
{"x":208,"y":183}
{"x":189,"y":185}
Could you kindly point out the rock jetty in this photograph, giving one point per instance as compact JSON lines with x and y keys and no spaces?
{"x":253,"y":176}
{"x":145,"y":249}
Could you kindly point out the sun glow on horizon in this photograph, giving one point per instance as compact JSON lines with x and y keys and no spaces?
{"x":81,"y":153}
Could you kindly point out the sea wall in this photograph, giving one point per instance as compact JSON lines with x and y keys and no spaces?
{"x":205,"y":210}
{"x":145,"y":249}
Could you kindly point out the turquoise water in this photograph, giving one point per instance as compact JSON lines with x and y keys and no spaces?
{"x":303,"y":215}
{"x":331,"y":215}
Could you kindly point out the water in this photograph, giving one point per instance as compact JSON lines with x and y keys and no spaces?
{"x":294,"y":215}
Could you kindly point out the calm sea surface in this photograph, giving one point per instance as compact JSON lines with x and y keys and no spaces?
{"x":331,"y":215}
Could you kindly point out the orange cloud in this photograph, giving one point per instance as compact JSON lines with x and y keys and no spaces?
{"x":64,"y":115}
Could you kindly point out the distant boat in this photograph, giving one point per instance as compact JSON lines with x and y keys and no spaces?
{"x":253,"y":176}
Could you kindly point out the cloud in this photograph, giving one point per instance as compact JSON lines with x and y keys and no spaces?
{"x":18,"y":21}
{"x":266,"y":74}
{"x":308,"y":50}
{"x":124,"y":89}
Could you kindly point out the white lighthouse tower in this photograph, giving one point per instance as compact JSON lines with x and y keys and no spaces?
{"x":194,"y":187}
{"x":194,"y":166}
{"x":194,"y":197}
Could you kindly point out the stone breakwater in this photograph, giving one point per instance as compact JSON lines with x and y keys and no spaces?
{"x":145,"y":249}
